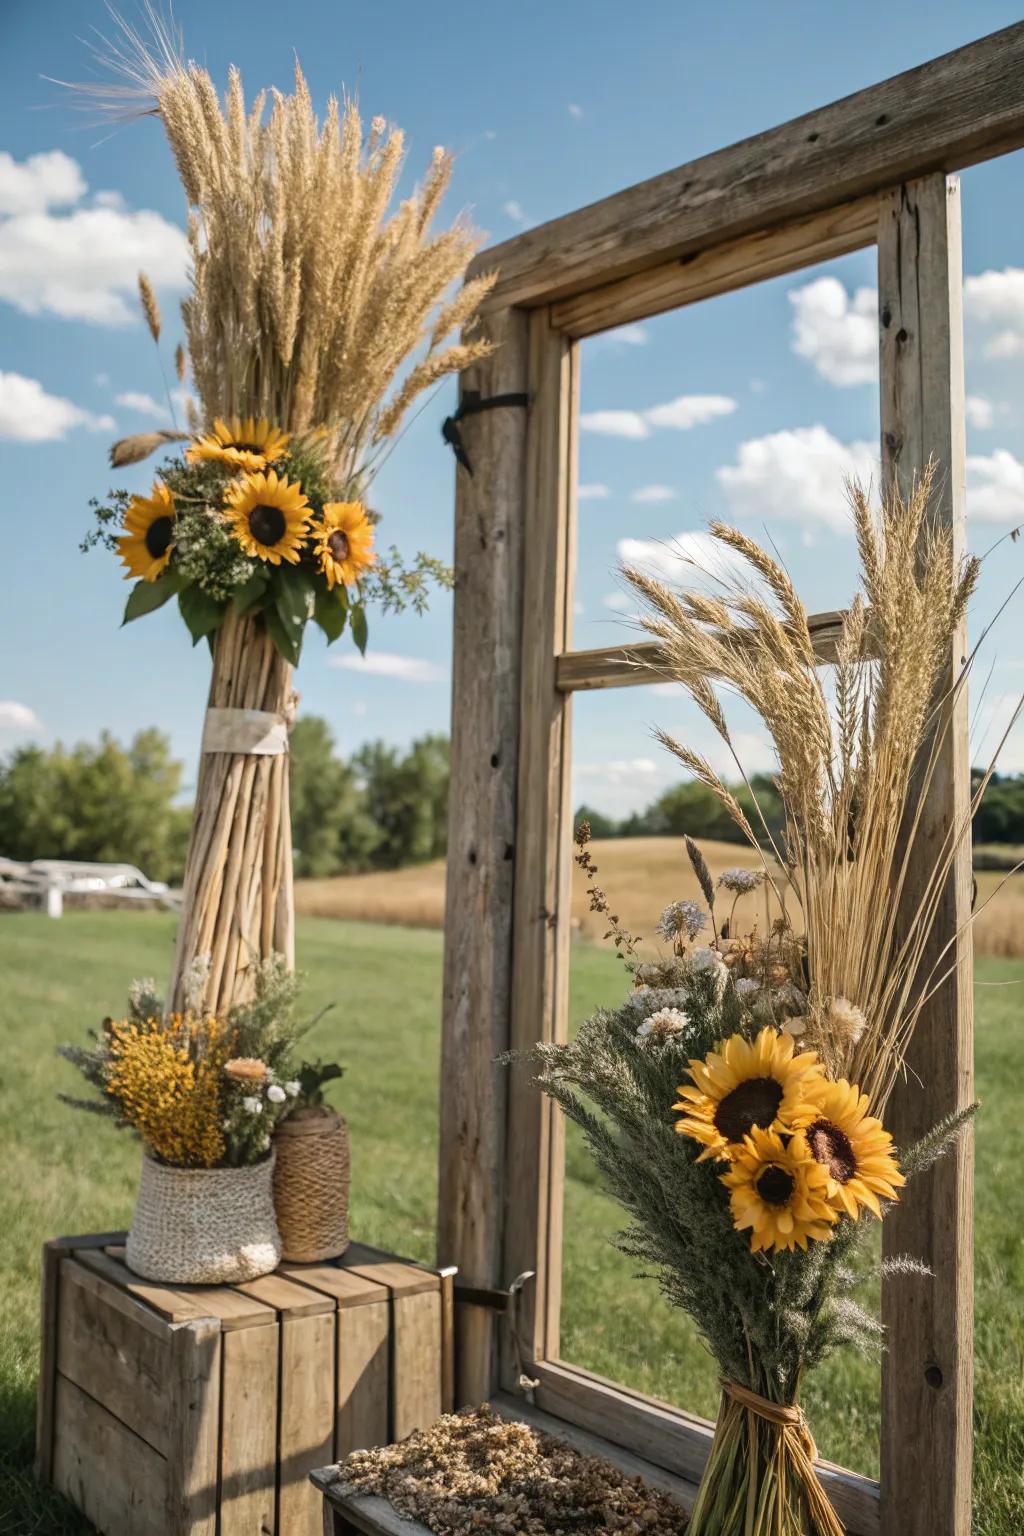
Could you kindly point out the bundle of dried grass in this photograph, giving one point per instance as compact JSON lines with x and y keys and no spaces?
{"x":312,"y":308}
{"x":851,"y":770}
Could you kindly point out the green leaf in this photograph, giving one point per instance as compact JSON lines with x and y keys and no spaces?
{"x":360,"y":629}
{"x":201,"y":612}
{"x":330,"y":609}
{"x":294,"y":595}
{"x":249,"y":593}
{"x":288,"y":643}
{"x":147,"y":596}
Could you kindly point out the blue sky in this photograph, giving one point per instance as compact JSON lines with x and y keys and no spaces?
{"x":750,"y":406}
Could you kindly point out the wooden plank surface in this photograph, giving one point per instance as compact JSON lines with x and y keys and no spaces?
{"x":541,"y":908}
{"x":110,"y":1474}
{"x":677,"y":1441}
{"x":248,"y":1431}
{"x":349,"y":1288}
{"x":482,"y":840}
{"x":362,"y":1376}
{"x":234,"y":1307}
{"x":172,"y":1305}
{"x":946,"y":114}
{"x":720,"y":269}
{"x":286,"y":1296}
{"x":927,"y":1367}
{"x":306,"y":1424}
{"x":415,"y":1361}
{"x":117,"y":1350}
{"x":193,"y":1389}
{"x":400,"y":1276}
{"x":49,"y":1288}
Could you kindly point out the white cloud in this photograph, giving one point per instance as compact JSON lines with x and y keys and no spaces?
{"x":796,"y":474}
{"x":615,"y":423}
{"x":18,"y":719}
{"x":653,"y":493}
{"x":593,"y":492}
{"x":145,"y":405}
{"x":49,"y":180}
{"x":575,"y":110}
{"x":681,"y":414}
{"x":618,"y":602}
{"x":102,"y":379}
{"x":360,"y":708}
{"x":690,"y":559}
{"x":754,"y":751}
{"x":621,"y":784}
{"x":628,"y":335}
{"x":980,"y":412}
{"x":514,"y":211}
{"x":995,"y":487}
{"x":837,"y":334}
{"x":80,"y":264}
{"x":688,"y":411}
{"x":997,"y":298}
{"x":407,"y":669}
{"x":29,"y":415}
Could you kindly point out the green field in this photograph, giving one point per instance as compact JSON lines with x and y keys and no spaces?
{"x":64,"y":1172}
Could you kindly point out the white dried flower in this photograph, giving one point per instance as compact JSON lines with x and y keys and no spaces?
{"x":845,"y":1021}
{"x":252,"y":1105}
{"x":746,"y":986}
{"x":276,"y":1094}
{"x":291,"y":1087}
{"x":795,"y":1027}
{"x":740,"y":881}
{"x":686,"y":917}
{"x":663,"y":1024}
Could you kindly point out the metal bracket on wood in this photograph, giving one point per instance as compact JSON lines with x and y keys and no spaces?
{"x":471,"y":404}
{"x":492,"y":1297}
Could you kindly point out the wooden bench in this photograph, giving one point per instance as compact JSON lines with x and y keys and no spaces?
{"x":202,"y":1410}
{"x":347,"y":1513}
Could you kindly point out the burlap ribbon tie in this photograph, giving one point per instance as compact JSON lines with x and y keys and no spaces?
{"x":791,"y":1419}
{"x":249,"y":731}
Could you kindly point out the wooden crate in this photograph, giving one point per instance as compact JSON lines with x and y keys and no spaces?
{"x":201,"y":1410}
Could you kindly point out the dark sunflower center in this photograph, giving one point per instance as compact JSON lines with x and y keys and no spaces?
{"x":267,"y":524}
{"x":158,"y":536}
{"x":775,"y":1186}
{"x":831,"y":1146}
{"x":338,"y":545}
{"x":755,"y":1102}
{"x":248,"y":447}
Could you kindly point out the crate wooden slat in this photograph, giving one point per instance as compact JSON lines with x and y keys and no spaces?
{"x":202,"y":1410}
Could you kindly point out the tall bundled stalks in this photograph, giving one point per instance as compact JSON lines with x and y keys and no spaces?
{"x":853,"y":769}
{"x":313,"y":308}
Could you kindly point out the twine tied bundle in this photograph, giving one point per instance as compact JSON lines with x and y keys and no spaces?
{"x":760,"y":1479}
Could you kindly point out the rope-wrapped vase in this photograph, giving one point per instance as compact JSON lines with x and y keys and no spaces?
{"x":760,"y":1478}
{"x":311,"y":1184}
{"x":204,"y":1226}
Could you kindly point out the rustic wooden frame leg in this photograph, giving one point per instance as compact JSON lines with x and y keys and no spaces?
{"x":927,"y":1367}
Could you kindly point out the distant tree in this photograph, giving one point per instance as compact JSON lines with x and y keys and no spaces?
{"x":106,"y":803}
{"x":407,"y":799}
{"x":600,"y":824}
{"x":690,"y":807}
{"x":1000,"y":817}
{"x":332,"y":831}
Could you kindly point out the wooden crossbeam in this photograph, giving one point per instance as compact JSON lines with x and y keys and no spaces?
{"x":629,"y":666}
{"x":954,"y":111}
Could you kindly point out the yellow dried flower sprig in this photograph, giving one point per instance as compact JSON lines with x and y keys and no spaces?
{"x":166,"y":1076}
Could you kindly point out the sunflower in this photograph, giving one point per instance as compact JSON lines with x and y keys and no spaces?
{"x":148,"y":537}
{"x":247,"y":444}
{"x":778,"y":1190}
{"x":269,"y":516}
{"x":345,"y":545}
{"x":742,"y":1086}
{"x":852,"y":1147}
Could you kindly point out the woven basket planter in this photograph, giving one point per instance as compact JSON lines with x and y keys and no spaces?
{"x":204,"y":1226}
{"x":311,"y":1182}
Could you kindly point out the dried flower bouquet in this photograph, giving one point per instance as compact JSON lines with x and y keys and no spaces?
{"x":314,"y":322}
{"x":734,"y":1104}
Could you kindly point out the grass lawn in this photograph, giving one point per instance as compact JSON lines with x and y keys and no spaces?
{"x":64,"y":1172}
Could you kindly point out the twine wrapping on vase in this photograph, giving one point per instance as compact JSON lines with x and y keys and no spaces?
{"x":204,"y":1226}
{"x":311,"y":1184}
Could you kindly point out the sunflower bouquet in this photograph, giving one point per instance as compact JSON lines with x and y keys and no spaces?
{"x":316,"y":317}
{"x":751,"y":1177}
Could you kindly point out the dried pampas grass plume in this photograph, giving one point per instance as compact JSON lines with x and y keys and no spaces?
{"x":132,"y":450}
{"x":180,"y":362}
{"x":150,"y":307}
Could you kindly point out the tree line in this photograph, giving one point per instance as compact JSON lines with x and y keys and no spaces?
{"x":380,"y":808}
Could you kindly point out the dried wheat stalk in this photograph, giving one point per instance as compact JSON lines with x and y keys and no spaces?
{"x":846,"y":767}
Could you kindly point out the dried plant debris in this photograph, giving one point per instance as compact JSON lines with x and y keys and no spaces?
{"x":472,"y":1472}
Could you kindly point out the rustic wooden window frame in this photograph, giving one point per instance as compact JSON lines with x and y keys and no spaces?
{"x":873,"y":169}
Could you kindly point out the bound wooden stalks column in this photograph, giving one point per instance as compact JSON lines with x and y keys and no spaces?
{"x":237,"y":904}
